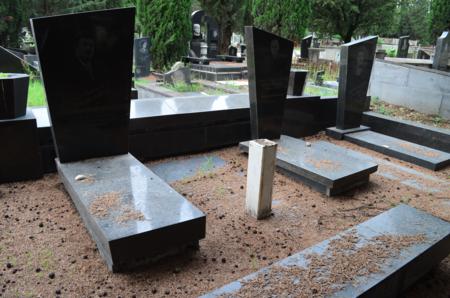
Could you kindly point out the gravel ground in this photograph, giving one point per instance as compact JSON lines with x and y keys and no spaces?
{"x":45,"y":250}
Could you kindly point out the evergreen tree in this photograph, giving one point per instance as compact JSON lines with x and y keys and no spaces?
{"x":287,"y":18}
{"x":439,"y":18}
{"x":168,"y":24}
{"x":349,"y":17}
{"x":229,"y":15}
{"x":11,"y":20}
{"x":413,"y":19}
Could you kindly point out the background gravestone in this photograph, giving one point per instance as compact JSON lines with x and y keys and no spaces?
{"x":212,"y":37}
{"x":403,"y":47}
{"x":88,"y":98}
{"x":297,"y":80}
{"x":304,"y":47}
{"x":354,"y":75}
{"x":142,"y":58}
{"x":9,"y":62}
{"x":442,"y":52}
{"x":269,"y":59}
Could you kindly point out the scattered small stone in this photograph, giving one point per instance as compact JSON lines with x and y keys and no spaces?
{"x":38,"y":270}
{"x":51,"y":275}
{"x":9,"y":265}
{"x":224,"y":260}
{"x":154,"y":291}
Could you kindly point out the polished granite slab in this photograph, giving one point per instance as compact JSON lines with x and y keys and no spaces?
{"x":397,"y":273}
{"x":143,"y":220}
{"x":420,"y":155}
{"x":328,"y":168}
{"x":425,"y":135}
{"x":269,"y":59}
{"x":20,"y":155}
{"x":305,"y":45}
{"x":88,"y":95}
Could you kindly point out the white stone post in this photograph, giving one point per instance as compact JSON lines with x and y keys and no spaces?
{"x":260,"y":172}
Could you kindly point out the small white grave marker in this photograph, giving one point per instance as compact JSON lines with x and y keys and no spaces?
{"x":260,"y":172}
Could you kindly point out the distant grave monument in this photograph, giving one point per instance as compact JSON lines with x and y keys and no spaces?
{"x":142,"y":58}
{"x":354,"y":74}
{"x":403,"y":47}
{"x":442,"y":52}
{"x":297,"y":80}
{"x":305,"y":45}
{"x":89,"y":108}
{"x":210,"y":37}
{"x":269,"y":63}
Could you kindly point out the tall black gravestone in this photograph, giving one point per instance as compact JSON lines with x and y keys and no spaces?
{"x":403,"y":46}
{"x":269,"y":59}
{"x":142,"y":58}
{"x":89,"y":97}
{"x":305,"y":45}
{"x":440,"y":60}
{"x":354,"y":74}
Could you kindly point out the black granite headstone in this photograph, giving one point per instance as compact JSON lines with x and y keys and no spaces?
{"x":9,"y":62}
{"x":142,"y":58}
{"x":355,"y":68}
{"x":88,"y":98}
{"x":403,"y":46}
{"x":13,"y":95}
{"x":442,"y":51}
{"x":20,"y":157}
{"x":269,"y":59}
{"x":297,"y":80}
{"x":304,"y":47}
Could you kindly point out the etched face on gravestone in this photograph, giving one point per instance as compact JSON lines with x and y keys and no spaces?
{"x":269,"y":60}
{"x":88,"y":97}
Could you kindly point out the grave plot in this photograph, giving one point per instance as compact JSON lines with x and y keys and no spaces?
{"x":424,"y":156}
{"x":378,"y":258}
{"x":327,"y":167}
{"x":132,"y":215}
{"x":215,"y":182}
{"x":355,"y":68}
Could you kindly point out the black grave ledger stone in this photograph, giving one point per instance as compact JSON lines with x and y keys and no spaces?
{"x":355,"y":68}
{"x":88,"y":96}
{"x":269,"y":59}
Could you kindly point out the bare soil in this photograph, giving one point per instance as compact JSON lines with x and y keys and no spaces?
{"x":45,"y":250}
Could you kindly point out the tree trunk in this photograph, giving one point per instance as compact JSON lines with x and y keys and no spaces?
{"x":225,"y":40}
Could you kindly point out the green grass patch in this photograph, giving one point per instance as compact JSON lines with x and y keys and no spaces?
{"x":183,"y":87}
{"x":320,"y":91}
{"x":36,"y":94}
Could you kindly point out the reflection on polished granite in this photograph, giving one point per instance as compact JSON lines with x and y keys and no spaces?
{"x":396,"y":273}
{"x":159,"y":107}
{"x":167,"y":220}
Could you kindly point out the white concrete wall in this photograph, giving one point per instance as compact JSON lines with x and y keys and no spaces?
{"x":422,"y":89}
